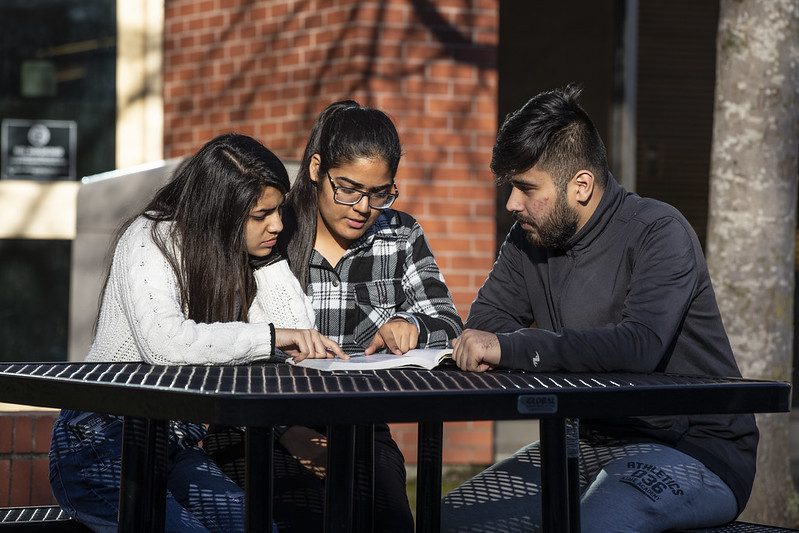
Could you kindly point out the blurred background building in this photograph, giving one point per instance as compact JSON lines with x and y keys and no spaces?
{"x":99,"y":98}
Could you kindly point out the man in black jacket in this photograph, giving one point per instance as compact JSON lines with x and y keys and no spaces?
{"x":593,"y":278}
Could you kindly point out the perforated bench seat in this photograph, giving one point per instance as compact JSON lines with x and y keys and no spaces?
{"x":737,"y":527}
{"x":44,"y":518}
{"x":52,"y":518}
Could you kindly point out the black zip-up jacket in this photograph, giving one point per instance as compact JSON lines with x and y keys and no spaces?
{"x":631,"y":292}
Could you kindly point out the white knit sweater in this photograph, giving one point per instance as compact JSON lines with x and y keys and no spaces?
{"x":141,"y":318}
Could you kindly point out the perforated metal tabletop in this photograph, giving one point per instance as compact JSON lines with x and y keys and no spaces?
{"x":274,"y":394}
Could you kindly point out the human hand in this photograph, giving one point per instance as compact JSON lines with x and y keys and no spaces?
{"x":476,"y":351}
{"x":307,"y":344}
{"x":308,"y":447}
{"x":398,"y":335}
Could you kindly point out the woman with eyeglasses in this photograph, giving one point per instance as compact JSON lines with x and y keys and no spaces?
{"x":374,"y":284}
{"x":368,"y":268}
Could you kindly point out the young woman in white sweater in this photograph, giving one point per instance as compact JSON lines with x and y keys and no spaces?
{"x":191,"y":282}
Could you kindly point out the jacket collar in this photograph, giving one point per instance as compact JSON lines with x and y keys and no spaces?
{"x":611,"y":201}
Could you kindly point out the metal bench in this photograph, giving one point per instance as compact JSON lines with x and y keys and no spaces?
{"x":44,"y":518}
{"x":736,"y":527}
{"x":52,"y":518}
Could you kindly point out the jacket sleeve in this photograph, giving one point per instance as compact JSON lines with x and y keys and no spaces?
{"x":429,"y":299}
{"x":663,"y":283}
{"x":503,"y":304}
{"x":149,"y":299}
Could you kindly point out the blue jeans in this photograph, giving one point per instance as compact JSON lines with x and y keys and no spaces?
{"x":85,"y":475}
{"x":635,"y":488}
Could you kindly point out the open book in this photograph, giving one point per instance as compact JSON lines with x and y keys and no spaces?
{"x":420,"y":358}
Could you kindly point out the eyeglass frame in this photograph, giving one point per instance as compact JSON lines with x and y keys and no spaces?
{"x":369,"y":195}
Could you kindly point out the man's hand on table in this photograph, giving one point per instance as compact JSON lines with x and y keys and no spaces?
{"x":476,"y":351}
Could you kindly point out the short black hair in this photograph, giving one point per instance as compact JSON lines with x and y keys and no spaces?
{"x":554,"y":132}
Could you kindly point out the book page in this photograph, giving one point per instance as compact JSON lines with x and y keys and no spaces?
{"x":421,"y":358}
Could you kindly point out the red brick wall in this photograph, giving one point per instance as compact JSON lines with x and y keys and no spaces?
{"x":465,"y":443}
{"x":24,"y":470}
{"x":267,"y":68}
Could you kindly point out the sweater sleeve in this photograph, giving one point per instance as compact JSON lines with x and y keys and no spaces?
{"x":280,"y":299}
{"x":143,"y":287}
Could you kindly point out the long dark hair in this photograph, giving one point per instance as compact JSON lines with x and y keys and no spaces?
{"x":344,"y":132}
{"x":208,"y":201}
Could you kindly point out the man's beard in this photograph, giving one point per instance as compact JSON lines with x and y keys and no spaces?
{"x":558,"y":227}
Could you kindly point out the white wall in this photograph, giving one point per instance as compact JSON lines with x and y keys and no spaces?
{"x":104,"y":202}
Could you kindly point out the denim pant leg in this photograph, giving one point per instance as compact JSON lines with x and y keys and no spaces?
{"x":84,"y":474}
{"x":649,"y":488}
{"x":641,"y":488}
{"x":201,"y":487}
{"x":85,"y":477}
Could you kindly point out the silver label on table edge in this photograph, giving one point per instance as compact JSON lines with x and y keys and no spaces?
{"x":537,"y":403}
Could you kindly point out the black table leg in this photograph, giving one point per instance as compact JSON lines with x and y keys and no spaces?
{"x":339,"y":478}
{"x":363,"y":504}
{"x":259,"y":479}
{"x":428,"y":477}
{"x":573,"y":460}
{"x":554,"y":476}
{"x":142,"y":484}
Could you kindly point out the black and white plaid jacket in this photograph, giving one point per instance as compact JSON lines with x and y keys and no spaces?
{"x":390,"y":271}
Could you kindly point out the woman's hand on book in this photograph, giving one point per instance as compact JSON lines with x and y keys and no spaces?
{"x":307,"y":343}
{"x":398,"y":335}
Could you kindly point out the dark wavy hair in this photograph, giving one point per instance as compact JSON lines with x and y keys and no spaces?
{"x":343,"y":133}
{"x":553,"y":132}
{"x":208,"y":201}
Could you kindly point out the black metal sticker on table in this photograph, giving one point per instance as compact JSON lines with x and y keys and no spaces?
{"x":537,"y":404}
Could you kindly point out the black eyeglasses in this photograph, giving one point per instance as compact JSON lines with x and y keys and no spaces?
{"x":348,"y":196}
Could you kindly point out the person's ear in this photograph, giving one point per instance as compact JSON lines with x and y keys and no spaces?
{"x":583,"y":186}
{"x":313,"y":167}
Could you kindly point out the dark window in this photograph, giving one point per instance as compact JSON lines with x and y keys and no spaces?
{"x":566,"y":45}
{"x":57,"y":66}
{"x":34,"y":299}
{"x":676,"y":81}
{"x":58,"y":63}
